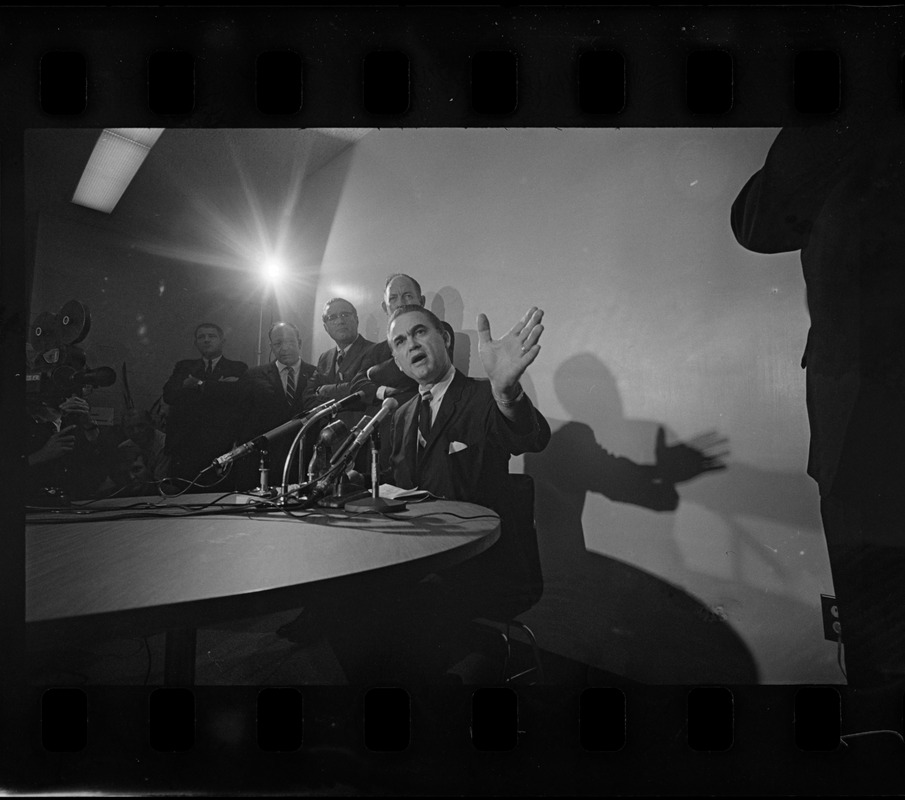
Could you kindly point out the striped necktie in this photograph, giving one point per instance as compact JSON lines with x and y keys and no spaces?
{"x":424,"y":419}
{"x":424,"y":427}
{"x":339,"y":361}
{"x":290,"y":385}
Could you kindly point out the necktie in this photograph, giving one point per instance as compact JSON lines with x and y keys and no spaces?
{"x":424,"y":419}
{"x":424,"y":427}
{"x":290,"y":385}
{"x":339,"y":361}
{"x":208,"y":368}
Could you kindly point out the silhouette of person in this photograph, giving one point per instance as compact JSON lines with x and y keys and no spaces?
{"x":836,"y":192}
{"x":609,"y":613}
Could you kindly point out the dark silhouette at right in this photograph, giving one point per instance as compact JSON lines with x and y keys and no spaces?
{"x":836,"y":191}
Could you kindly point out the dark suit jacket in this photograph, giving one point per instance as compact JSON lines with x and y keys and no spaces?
{"x":467,"y":458}
{"x":264,"y":407}
{"x":835,"y":191}
{"x":202,"y":423}
{"x":326,"y":383}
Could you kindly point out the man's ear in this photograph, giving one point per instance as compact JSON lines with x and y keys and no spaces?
{"x":446,"y":337}
{"x":422,"y":301}
{"x":383,"y":305}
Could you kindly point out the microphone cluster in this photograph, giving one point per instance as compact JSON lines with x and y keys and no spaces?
{"x":294,"y":424}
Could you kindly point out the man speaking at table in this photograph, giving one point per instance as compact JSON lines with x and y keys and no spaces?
{"x":453,"y":439}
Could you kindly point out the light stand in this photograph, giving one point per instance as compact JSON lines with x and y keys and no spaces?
{"x":261,"y":326}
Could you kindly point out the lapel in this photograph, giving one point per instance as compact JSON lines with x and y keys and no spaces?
{"x":353,"y":354}
{"x":273,"y":376}
{"x":447,"y":410}
{"x":333,"y":377}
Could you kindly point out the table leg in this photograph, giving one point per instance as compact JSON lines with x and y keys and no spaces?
{"x":179,"y":658}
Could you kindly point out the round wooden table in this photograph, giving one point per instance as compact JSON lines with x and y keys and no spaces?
{"x":103,"y":576}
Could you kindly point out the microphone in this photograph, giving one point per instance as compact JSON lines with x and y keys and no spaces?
{"x":258,"y":442}
{"x":331,"y":434}
{"x":343,"y":448}
{"x":388,"y":407}
{"x":330,"y":407}
{"x":352,"y":402}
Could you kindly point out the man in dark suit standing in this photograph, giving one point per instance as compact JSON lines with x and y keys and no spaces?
{"x":836,"y":191}
{"x":454,"y":439}
{"x":203,"y":395}
{"x":338,"y":366}
{"x":273,"y":394}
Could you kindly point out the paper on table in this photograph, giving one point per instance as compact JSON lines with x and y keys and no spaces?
{"x":391,"y":492}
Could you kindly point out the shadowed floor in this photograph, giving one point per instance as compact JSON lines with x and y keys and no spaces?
{"x":242,"y":653}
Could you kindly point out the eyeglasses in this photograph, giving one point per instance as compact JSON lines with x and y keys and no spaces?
{"x":340,"y":315}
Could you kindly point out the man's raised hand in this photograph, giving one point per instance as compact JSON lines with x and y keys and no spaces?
{"x":505,"y":360}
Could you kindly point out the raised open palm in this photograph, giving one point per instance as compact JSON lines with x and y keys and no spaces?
{"x":506,"y":359}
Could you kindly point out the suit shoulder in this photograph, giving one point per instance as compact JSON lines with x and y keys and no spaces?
{"x":260,"y":371}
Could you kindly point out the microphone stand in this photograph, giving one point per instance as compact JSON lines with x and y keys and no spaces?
{"x":375,"y":502}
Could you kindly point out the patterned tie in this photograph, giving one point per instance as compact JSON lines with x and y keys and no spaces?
{"x":290,"y":385}
{"x":424,"y":427}
{"x":424,"y":418}
{"x":339,"y":361}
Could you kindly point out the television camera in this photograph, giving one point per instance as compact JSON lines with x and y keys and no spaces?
{"x":59,"y":368}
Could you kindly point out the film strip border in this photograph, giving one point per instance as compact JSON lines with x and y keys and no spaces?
{"x":490,"y":740}
{"x":483,"y":67}
{"x":583,"y":66}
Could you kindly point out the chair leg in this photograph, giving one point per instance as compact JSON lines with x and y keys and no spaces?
{"x":538,"y":665}
{"x":508,"y":656}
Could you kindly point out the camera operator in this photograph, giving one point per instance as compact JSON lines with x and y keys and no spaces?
{"x":65,"y":451}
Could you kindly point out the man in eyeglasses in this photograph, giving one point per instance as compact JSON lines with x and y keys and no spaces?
{"x":337,"y":366}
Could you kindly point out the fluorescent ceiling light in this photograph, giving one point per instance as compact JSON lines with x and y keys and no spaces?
{"x":118,"y":154}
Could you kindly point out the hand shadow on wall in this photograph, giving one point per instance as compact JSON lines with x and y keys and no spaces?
{"x":605,"y":612}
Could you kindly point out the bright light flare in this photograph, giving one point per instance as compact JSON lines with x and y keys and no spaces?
{"x":272,"y":271}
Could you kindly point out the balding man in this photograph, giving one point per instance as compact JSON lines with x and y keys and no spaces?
{"x":273,"y":394}
{"x":338,"y":366}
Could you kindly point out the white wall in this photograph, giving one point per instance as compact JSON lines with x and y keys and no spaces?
{"x":654,"y":316}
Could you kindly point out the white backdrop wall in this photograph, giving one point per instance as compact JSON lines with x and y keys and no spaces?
{"x":654,"y":317}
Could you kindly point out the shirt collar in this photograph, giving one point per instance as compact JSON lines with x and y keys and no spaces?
{"x":283,"y":367}
{"x":439,"y":388}
{"x":343,"y":350}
